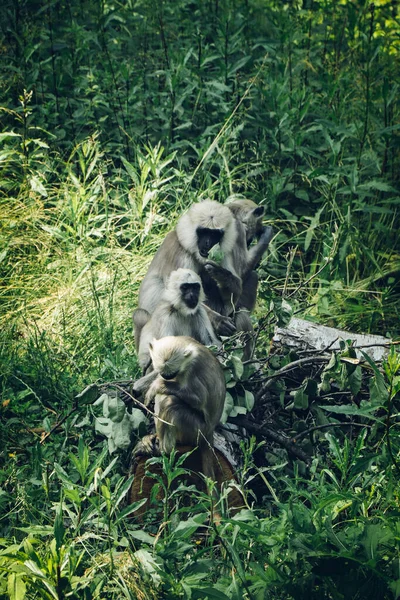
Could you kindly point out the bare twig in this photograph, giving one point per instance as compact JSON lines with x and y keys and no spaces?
{"x":315,"y":351}
{"x":304,"y":283}
{"x":58,"y":424}
{"x":292,"y":254}
{"x":304,"y":434}
{"x":289,"y":367}
{"x":140,"y":404}
{"x":355,"y":346}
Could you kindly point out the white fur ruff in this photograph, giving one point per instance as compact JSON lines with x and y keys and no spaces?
{"x":172,"y":293}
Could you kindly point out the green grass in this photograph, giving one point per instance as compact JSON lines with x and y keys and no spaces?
{"x":114,"y":119}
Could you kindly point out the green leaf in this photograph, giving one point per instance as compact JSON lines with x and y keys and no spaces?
{"x":187,"y":528}
{"x":16,"y":587}
{"x":300,"y":399}
{"x":228,"y":407}
{"x":211,"y":593}
{"x":237,"y":366}
{"x":88,"y":395}
{"x":355,"y":379}
{"x":142,"y":536}
{"x":395,"y":588}
{"x":378,"y":390}
{"x":249,"y":400}
{"x":37,"y":529}
{"x":37,"y":186}
{"x":375,"y":535}
{"x":59,"y":529}
{"x":238,"y":65}
{"x":313,"y":225}
{"x":63,"y":475}
{"x":131,"y":171}
{"x":353,"y":410}
{"x":128,"y":510}
{"x":380,"y":186}
{"x":123,"y":492}
{"x":152,"y":565}
{"x":8,"y":134}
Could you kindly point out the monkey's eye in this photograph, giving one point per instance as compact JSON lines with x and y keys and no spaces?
{"x":169,"y":376}
{"x":189,"y":287}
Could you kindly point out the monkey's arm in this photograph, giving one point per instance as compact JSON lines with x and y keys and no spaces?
{"x":140,"y":318}
{"x":256,"y":252}
{"x":249,"y":296}
{"x":142,"y":385}
{"x":185,"y":394}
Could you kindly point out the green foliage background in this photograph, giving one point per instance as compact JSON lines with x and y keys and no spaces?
{"x":115,"y":117}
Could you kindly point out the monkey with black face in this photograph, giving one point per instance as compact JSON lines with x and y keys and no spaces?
{"x":227,"y":297}
{"x":203,"y":226}
{"x":188,"y":391}
{"x":180,"y":312}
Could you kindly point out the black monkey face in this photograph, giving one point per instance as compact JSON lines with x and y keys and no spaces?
{"x":190,"y":293}
{"x":254,"y":226}
{"x":207,"y":238}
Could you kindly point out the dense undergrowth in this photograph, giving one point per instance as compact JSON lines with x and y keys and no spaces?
{"x":114,"y":118}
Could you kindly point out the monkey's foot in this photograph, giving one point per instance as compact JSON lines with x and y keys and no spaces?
{"x":147,"y":446}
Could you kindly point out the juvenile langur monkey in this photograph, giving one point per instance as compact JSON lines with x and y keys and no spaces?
{"x":180,"y":312}
{"x":228,"y":298}
{"x":189,"y":394}
{"x":203,"y":226}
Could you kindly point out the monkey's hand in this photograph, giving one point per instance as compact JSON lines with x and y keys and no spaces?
{"x":220,"y":275}
{"x":225,"y":326}
{"x":147,"y":446}
{"x":222,"y":325}
{"x":266,"y":236}
{"x":229,"y":284}
{"x":141,"y":386}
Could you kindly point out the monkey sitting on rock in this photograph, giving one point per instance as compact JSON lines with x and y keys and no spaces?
{"x":188,"y":389}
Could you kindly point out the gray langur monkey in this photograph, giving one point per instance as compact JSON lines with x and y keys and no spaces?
{"x":180,"y":312}
{"x":188,"y":390}
{"x":229,"y":299}
{"x":203,"y":226}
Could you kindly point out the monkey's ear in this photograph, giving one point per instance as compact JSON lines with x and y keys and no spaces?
{"x":188,"y":352}
{"x":259,"y":211}
{"x":151,"y":345}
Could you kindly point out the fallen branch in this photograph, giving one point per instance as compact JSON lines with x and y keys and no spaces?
{"x":273,"y":436}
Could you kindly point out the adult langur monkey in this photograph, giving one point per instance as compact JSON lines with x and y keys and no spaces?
{"x":180,"y":312}
{"x":227,"y":297}
{"x":188,"y":391}
{"x":203,"y":226}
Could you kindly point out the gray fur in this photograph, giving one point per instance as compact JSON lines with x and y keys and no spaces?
{"x":234,"y":299}
{"x":140,"y":318}
{"x":172,"y":317}
{"x":179,"y":250}
{"x":192,"y":401}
